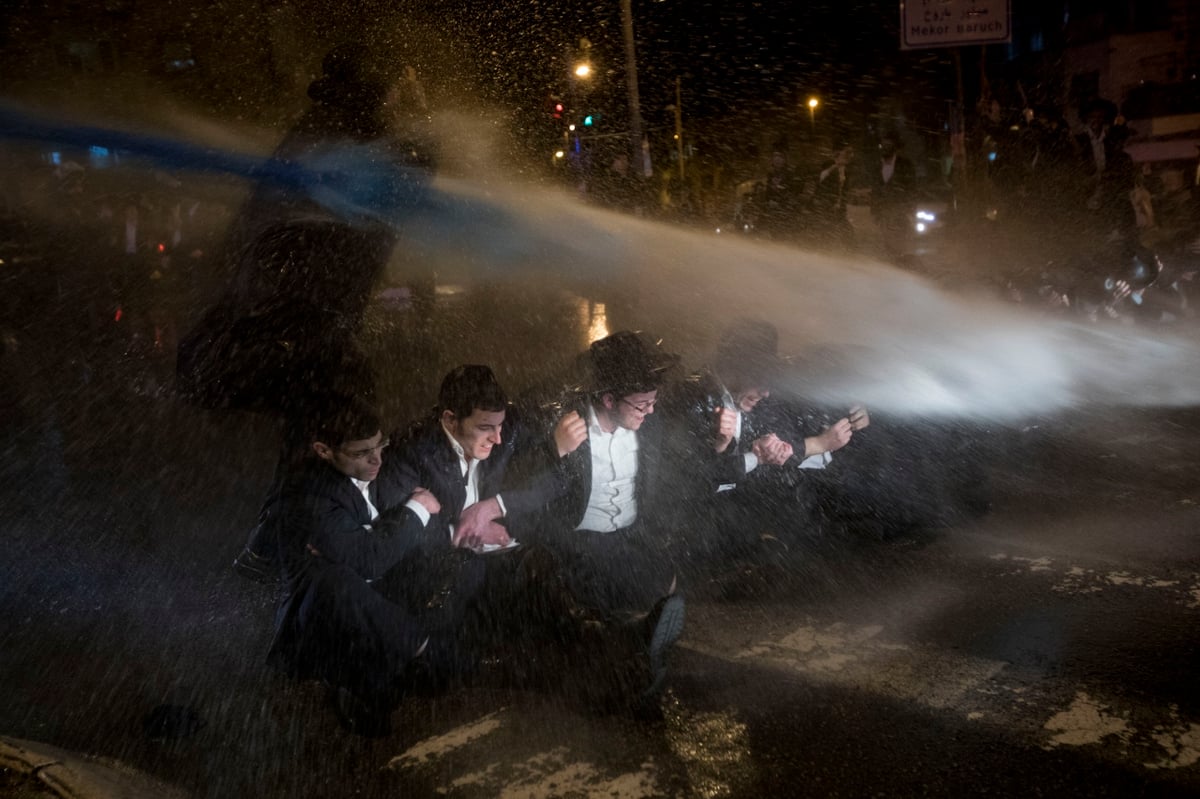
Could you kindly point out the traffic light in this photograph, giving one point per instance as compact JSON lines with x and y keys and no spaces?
{"x":558,"y":110}
{"x":587,"y":121}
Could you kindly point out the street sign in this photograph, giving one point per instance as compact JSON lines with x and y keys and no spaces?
{"x":947,"y":23}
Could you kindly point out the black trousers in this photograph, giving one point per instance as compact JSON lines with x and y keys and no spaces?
{"x":615,"y":573}
{"x":354,"y":637}
{"x":362,"y":635}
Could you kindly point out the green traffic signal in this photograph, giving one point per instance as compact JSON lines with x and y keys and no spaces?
{"x":587,"y":121}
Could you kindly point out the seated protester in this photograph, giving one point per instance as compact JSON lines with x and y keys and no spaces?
{"x":342,"y":535}
{"x":735,"y":442}
{"x":898,"y":484}
{"x":604,"y":518}
{"x":460,"y":452}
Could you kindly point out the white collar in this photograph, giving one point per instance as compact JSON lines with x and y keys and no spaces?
{"x":454,"y":445}
{"x":594,"y":424}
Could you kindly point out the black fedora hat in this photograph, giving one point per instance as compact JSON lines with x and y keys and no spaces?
{"x":628,"y":363}
{"x":747,"y":354}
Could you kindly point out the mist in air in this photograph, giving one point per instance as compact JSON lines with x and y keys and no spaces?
{"x":856,"y":329}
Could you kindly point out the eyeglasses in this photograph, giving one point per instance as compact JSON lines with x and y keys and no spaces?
{"x":641,"y":407}
{"x":363,"y":454}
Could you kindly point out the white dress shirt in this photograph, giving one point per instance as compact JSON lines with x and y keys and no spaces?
{"x":611,"y":505}
{"x":364,"y":486}
{"x":469,"y":469}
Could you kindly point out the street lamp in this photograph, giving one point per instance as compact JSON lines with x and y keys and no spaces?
{"x":583,"y":70}
{"x":813,"y":102}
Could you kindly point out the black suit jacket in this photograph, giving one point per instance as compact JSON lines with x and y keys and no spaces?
{"x":692,"y":409}
{"x":896,"y":195}
{"x":422,"y":457}
{"x":321,"y":508}
{"x":556,"y":490}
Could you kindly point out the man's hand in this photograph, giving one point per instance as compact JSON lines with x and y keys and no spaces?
{"x":726,"y":425}
{"x":569,"y":433}
{"x":834,"y":438}
{"x":427,"y":500}
{"x":476,"y":523}
{"x":772,"y":450}
{"x":859,"y":420}
{"x":493,"y":533}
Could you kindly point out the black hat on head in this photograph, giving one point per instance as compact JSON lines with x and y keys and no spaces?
{"x":353,"y":85}
{"x":626,"y":363}
{"x":747,"y":355}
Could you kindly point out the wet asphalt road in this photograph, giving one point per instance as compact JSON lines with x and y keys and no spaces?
{"x":1048,"y":648}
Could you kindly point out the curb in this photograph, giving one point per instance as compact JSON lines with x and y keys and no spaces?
{"x":74,"y":776}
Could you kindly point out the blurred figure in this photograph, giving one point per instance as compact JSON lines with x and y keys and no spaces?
{"x":305,"y":254}
{"x":618,"y":187}
{"x":1177,"y":213}
{"x":779,"y":200}
{"x":829,"y":224}
{"x":893,"y":184}
{"x":1107,"y":171}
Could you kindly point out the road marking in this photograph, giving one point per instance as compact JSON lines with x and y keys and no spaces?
{"x":1180,"y":741}
{"x":1079,"y":580}
{"x":848,"y":654}
{"x":500,"y":761}
{"x":1086,"y":721}
{"x":494,"y":755}
{"x":441,"y":745}
{"x":981,"y":690}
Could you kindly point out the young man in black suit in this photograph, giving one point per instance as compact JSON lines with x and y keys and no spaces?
{"x":461,"y":452}
{"x":600,"y":508}
{"x":343,"y":536}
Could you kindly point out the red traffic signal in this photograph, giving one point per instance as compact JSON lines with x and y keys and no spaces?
{"x":558,"y":110}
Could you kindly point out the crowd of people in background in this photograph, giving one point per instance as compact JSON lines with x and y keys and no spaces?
{"x":1028,"y":166}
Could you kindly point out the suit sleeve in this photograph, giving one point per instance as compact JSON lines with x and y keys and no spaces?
{"x":401,"y":472}
{"x":331,"y":527}
{"x":690,"y":422}
{"x":535,"y":477}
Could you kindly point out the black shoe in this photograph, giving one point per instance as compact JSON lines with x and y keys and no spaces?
{"x":358,"y":716}
{"x":665,"y":623}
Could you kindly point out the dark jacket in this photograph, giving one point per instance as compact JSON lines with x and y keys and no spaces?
{"x":896,"y":196}
{"x":422,"y":456}
{"x":556,"y":490}
{"x":693,"y":407}
{"x":694,"y":404}
{"x":324,"y":510}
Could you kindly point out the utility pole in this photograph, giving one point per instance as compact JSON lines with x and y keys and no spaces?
{"x":635,"y":106}
{"x":679,"y":127}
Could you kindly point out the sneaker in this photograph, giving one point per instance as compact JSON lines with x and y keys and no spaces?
{"x":666,"y":625}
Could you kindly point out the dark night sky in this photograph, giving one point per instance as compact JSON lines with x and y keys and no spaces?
{"x":734,"y":56}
